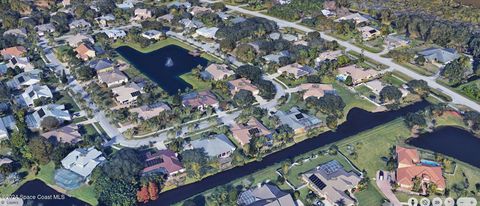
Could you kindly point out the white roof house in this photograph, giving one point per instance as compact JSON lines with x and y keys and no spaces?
{"x":80,"y":23}
{"x":142,"y":14}
{"x":115,"y":33}
{"x":207,"y":32}
{"x":22,"y":32}
{"x":3,"y":131}
{"x":21,"y":62}
{"x":127,"y":93}
{"x":25,"y":79}
{"x":112,"y":78}
{"x":356,"y":17}
{"x":152,"y":34}
{"x":34,"y":92}
{"x":45,"y":28}
{"x":369,"y":32}
{"x":83,"y":161}
{"x":51,"y":110}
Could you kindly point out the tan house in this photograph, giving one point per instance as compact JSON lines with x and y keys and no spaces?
{"x":112,"y":78}
{"x":217,"y":72}
{"x":242,"y":83}
{"x":358,"y":74}
{"x":315,"y":90}
{"x":127,"y":94}
{"x":85,"y":52}
{"x":369,"y":32}
{"x":16,"y":51}
{"x":296,"y":70}
{"x":146,"y":112}
{"x":244,"y":132}
{"x":67,"y":134}
{"x":328,"y":55}
{"x":199,"y":100}
{"x":142,"y":14}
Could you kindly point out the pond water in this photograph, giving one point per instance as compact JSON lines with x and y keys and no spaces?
{"x":358,"y":120}
{"x":40,"y":194}
{"x":164,"y":66}
{"x":451,"y":141}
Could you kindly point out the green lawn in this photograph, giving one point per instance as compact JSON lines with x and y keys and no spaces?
{"x":370,"y":196}
{"x":369,"y":48}
{"x":99,"y":127}
{"x":67,"y":100}
{"x":85,"y":193}
{"x":427,"y":70}
{"x":46,"y":173}
{"x":90,"y":130}
{"x":295,"y":100}
{"x":197,"y":84}
{"x":393,"y":80}
{"x":352,"y":100}
{"x":364,"y":90}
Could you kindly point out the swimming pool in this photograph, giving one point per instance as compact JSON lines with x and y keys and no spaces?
{"x":429,"y":163}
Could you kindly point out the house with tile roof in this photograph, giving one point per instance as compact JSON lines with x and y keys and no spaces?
{"x":368,"y":32}
{"x":34,"y":92}
{"x":142,"y":14}
{"x":243,"y":132}
{"x":217,"y":72}
{"x":410,"y":168}
{"x":146,"y":112}
{"x":296,"y":70}
{"x":199,"y":100}
{"x":242,"y":84}
{"x":16,"y":51}
{"x":85,"y":52}
{"x":358,"y":74}
{"x":66,"y":134}
{"x":112,"y":78}
{"x":163,"y":162}
{"x":315,"y":90}
{"x":267,"y":194}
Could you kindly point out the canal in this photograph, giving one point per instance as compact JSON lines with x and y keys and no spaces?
{"x":358,"y":120}
{"x":164,"y":66}
{"x":37,"y":193}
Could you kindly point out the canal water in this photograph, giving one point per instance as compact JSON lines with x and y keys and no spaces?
{"x":451,"y":141}
{"x":164,"y":66}
{"x":358,"y":120}
{"x":37,"y":193}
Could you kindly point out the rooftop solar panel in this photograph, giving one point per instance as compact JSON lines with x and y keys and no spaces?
{"x":319,"y":183}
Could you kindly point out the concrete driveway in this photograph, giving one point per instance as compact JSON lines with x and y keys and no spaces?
{"x":383,"y":184}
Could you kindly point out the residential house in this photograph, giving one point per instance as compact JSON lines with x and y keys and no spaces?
{"x":356,"y":17}
{"x":296,"y":70}
{"x":59,"y":112}
{"x":127,"y":94}
{"x":316,"y":90}
{"x":5,"y":161}
{"x":3,"y":132}
{"x":76,"y":39}
{"x":244,"y":132}
{"x":358,"y":74}
{"x":242,"y":84}
{"x":369,"y":32}
{"x":25,"y":79}
{"x":66,"y":3}
{"x":394,"y":41}
{"x":21,"y":32}
{"x":328,"y":56}
{"x":179,"y":4}
{"x":115,"y":33}
{"x":66,"y":134}
{"x":163,"y":162}
{"x":112,"y":78}
{"x":34,"y":92}
{"x":20,"y":62}
{"x":101,"y":65}
{"x":290,"y":37}
{"x":16,"y":51}
{"x":331,"y":181}
{"x":282,"y":2}
{"x":166,"y":18}
{"x":276,"y":56}
{"x":3,"y":68}
{"x":267,"y":194}
{"x":439,"y":55}
{"x":375,"y":85}
{"x":329,"y":8}
{"x":80,"y":23}
{"x":125,"y":5}
{"x":217,"y":72}
{"x":146,"y":112}
{"x":142,"y":14}
{"x":44,"y":29}
{"x":9,"y":122}
{"x":191,"y":24}
{"x":83,"y":161}
{"x":207,"y":32}
{"x":411,"y":167}
{"x":196,"y":10}
{"x":300,"y":122}
{"x":199,"y":100}
{"x":215,"y":146}
{"x":105,"y":20}
{"x":85,"y":52}
{"x":152,"y":34}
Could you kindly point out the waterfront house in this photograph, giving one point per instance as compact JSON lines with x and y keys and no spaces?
{"x":146,"y":112}
{"x":152,"y":34}
{"x":127,"y":94}
{"x":300,"y":122}
{"x":315,"y":90}
{"x":267,"y":195}
{"x":83,"y":161}
{"x":66,"y":134}
{"x":112,"y":78}
{"x":242,"y":84}
{"x":410,"y":167}
{"x":85,"y":52}
{"x":207,"y":32}
{"x":296,"y":70}
{"x":34,"y":92}
{"x":57,"y":111}
{"x":358,"y":74}
{"x":333,"y":183}
{"x":199,"y":100}
{"x":115,"y":33}
{"x":217,"y":72}
{"x":163,"y":162}
{"x":15,"y":51}
{"x":246,"y":131}
{"x":368,"y":32}
{"x":439,"y":55}
{"x":215,"y":146}
{"x":101,"y":65}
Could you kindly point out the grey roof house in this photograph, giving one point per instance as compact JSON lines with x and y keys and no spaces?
{"x":439,"y":55}
{"x":298,"y":121}
{"x":268,"y":195}
{"x":215,"y":146}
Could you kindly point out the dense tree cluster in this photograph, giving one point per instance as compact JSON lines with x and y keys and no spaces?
{"x":251,"y":28}
{"x":457,"y":70}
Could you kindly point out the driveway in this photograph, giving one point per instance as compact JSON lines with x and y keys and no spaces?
{"x":385,"y":187}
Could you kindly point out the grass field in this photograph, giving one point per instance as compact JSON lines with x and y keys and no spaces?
{"x":370,"y":196}
{"x":67,"y":100}
{"x":427,"y":70}
{"x":197,"y":84}
{"x":352,"y":100}
{"x":85,"y":193}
